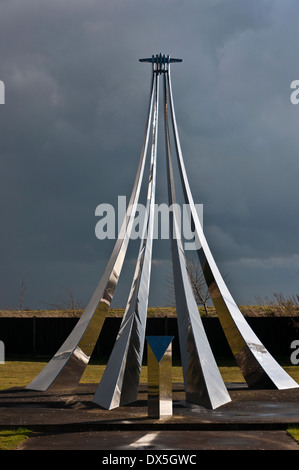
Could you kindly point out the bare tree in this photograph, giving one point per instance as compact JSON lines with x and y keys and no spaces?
{"x":23,"y":287}
{"x":198,"y":283}
{"x":281,"y":306}
{"x":67,"y":301}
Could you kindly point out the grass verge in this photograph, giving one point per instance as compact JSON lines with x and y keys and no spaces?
{"x":20,"y":373}
{"x":293,"y":431}
{"x":12,"y":438}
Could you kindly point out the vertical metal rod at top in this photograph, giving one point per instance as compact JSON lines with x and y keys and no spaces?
{"x":120,"y":381}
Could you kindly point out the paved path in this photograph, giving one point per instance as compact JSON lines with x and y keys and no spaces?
{"x":163,"y":440}
{"x":253,"y":420}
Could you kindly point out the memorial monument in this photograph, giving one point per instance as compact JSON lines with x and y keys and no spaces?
{"x":202,"y":380}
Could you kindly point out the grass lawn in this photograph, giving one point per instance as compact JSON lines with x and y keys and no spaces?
{"x":12,"y":438}
{"x":294,"y":432}
{"x":20,"y":373}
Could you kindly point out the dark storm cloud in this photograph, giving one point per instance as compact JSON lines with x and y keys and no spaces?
{"x":73,"y":123}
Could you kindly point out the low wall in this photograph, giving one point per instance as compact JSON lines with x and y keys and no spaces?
{"x":38,"y":336}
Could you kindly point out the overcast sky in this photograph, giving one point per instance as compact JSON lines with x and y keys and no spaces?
{"x":73,"y":123}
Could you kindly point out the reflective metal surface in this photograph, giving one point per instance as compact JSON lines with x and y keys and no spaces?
{"x":159,"y":366}
{"x":203,"y":382}
{"x":259,"y":368}
{"x":120,"y":381}
{"x":65,"y":369}
{"x":2,"y":353}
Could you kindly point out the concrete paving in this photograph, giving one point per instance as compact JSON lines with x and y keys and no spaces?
{"x":253,"y":420}
{"x":162,"y":440}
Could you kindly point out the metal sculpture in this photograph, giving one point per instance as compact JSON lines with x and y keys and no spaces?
{"x":203,"y":382}
{"x":67,"y":366}
{"x":2,"y":353}
{"x":258,"y":367}
{"x":120,"y":381}
{"x":159,"y":372}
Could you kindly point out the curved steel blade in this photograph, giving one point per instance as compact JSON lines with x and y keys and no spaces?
{"x":120,"y":381}
{"x":203,"y":382}
{"x":259,"y":368}
{"x":65,"y":369}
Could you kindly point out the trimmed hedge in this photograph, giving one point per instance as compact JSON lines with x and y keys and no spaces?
{"x":38,"y":336}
